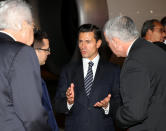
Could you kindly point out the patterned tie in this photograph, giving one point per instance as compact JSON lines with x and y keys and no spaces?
{"x":88,"y":79}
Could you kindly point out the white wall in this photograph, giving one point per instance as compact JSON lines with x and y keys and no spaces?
{"x":138,"y":10}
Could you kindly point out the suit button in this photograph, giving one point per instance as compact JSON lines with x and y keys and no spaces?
{"x":89,"y":108}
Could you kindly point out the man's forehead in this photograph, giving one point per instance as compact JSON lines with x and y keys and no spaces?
{"x":158,"y":24}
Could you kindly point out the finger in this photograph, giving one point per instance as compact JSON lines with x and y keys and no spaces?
{"x":95,"y":104}
{"x":109,"y":96}
{"x":72,"y":89}
{"x":68,"y":92}
{"x":68,"y":95}
{"x":70,"y":98}
{"x":72,"y":85}
{"x":107,"y":99}
{"x":103,"y":103}
{"x":98,"y":104}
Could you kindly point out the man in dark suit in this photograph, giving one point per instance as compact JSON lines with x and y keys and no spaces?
{"x":42,"y":49}
{"x":85,"y":90}
{"x":20,"y":82}
{"x":143,"y":77}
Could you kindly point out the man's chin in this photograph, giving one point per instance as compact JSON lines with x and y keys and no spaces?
{"x":84,"y":56}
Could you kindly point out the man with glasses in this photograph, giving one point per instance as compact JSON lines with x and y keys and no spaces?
{"x":153,"y":31}
{"x":41,"y":46}
{"x":163,"y":22}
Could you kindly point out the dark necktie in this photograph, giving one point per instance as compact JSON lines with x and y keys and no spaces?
{"x":89,"y":79}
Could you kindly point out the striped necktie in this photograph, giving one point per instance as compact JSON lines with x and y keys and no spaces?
{"x":89,"y":79}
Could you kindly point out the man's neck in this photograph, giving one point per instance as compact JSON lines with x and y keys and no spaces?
{"x":8,"y":33}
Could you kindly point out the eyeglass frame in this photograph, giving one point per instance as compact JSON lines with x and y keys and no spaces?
{"x":161,"y":30}
{"x":48,"y":50}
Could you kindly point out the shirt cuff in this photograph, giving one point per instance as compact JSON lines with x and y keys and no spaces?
{"x":69,"y":106}
{"x":106,"y":110}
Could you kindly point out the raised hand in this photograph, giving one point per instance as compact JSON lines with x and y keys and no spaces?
{"x":103,"y":103}
{"x":70,"y":94}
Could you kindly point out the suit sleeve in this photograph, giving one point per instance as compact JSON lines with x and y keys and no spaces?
{"x":25,"y":82}
{"x":60,"y":97}
{"x":136,"y":93}
{"x":115,"y":101}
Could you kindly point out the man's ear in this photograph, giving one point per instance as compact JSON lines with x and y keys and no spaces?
{"x":114,"y":40}
{"x":24,"y":25}
{"x":99,"y":43}
{"x":149,"y":32}
{"x":23,"y":28}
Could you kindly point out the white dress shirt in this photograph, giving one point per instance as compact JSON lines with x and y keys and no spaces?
{"x":128,"y":50}
{"x":86,"y":65}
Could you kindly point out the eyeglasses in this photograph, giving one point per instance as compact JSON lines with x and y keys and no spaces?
{"x":48,"y":50}
{"x":161,"y":30}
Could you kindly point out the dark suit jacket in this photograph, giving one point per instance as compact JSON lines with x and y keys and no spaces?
{"x":20,"y":88}
{"x":160,"y":44}
{"x":47,"y":104}
{"x":83,"y":116}
{"x":143,"y":88}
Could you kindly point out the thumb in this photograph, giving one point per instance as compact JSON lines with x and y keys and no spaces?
{"x":72,"y":86}
{"x":109,"y":96}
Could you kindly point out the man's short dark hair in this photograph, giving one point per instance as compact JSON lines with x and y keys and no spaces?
{"x":91,"y":28}
{"x":38,"y":38}
{"x":148,"y":25}
{"x":163,"y":21}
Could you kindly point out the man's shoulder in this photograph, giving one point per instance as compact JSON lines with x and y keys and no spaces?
{"x":12,"y":49}
{"x":12,"y":45}
{"x":109,"y":67}
{"x":108,"y":64}
{"x":72,"y":65}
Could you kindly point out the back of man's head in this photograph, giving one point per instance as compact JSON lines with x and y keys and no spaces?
{"x":13,"y":13}
{"x":122,"y":27}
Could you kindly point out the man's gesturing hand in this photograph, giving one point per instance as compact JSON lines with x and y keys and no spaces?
{"x":70,"y":94}
{"x":103,"y":103}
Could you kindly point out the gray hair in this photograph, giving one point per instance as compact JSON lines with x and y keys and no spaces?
{"x":121,"y":27}
{"x":13,"y":13}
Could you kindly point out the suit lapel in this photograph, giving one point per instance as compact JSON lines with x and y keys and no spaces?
{"x":97,"y":77}
{"x":79,"y":79}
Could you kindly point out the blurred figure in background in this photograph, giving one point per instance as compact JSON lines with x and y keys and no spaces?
{"x":41,"y":46}
{"x":153,"y":31}
{"x":163,"y":22}
{"x":20,"y":87}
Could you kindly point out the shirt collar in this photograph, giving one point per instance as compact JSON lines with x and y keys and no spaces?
{"x":128,"y":50}
{"x":95,"y":60}
{"x":8,"y":35}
